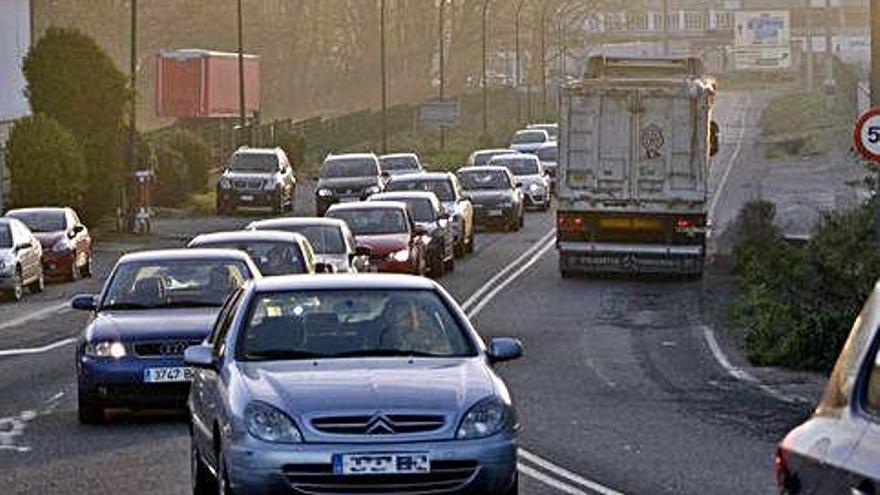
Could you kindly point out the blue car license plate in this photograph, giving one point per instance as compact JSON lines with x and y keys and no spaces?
{"x":168,"y":375}
{"x":367,"y":464}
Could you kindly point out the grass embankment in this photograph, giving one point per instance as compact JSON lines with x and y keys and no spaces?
{"x":805,"y":124}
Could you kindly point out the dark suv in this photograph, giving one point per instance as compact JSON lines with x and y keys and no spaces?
{"x":345,"y":178}
{"x":257,"y":177}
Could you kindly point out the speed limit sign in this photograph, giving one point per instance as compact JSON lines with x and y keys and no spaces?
{"x":867,"y":135}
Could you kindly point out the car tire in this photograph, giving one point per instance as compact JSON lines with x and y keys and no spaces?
{"x":449,"y":265}
{"x":470,"y":244}
{"x":460,"y":249}
{"x":88,"y":269}
{"x":17,"y":291}
{"x":75,"y":273}
{"x":203,"y":483}
{"x":438,"y":267}
{"x":222,"y":479}
{"x":39,"y":285}
{"x":514,"y":488}
{"x":88,"y":410}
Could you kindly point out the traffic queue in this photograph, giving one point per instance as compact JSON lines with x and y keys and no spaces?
{"x":267,"y":334}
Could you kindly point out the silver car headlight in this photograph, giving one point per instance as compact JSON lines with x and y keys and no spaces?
{"x":269,"y":424}
{"x":486,"y":418}
{"x":325,"y":193}
{"x":536,"y":188}
{"x":224,"y":183}
{"x":106,"y":349}
{"x":6,"y":266}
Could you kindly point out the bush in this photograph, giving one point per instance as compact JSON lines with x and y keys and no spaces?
{"x":172,"y":177}
{"x":798,"y":303}
{"x":71,"y":79}
{"x":46,"y":164}
{"x":197,"y":155}
{"x":294,"y":145}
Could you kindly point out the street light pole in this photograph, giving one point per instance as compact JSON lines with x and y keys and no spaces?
{"x":517,"y":78}
{"x":875,"y":53}
{"x":485,"y":68}
{"x":384,"y":77}
{"x":242,"y":111}
{"x":441,"y":41}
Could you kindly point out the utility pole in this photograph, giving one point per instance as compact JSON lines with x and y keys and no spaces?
{"x":875,"y":53}
{"x":665,"y":27}
{"x":441,"y":40}
{"x":517,"y":78}
{"x":485,"y":67}
{"x":544,"y":60}
{"x":242,"y":111}
{"x":808,"y":14}
{"x":384,"y":77}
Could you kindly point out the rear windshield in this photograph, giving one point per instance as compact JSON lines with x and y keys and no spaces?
{"x":518,"y":166}
{"x":272,"y":258}
{"x":253,"y":162}
{"x":529,"y":137}
{"x":373,"y":221}
{"x":548,"y":154}
{"x":442,"y":188}
{"x":488,"y":180}
{"x":41,"y":221}
{"x":5,"y":236}
{"x":421,"y":210}
{"x":349,"y":167}
{"x":399,"y":163}
{"x":483,"y":158}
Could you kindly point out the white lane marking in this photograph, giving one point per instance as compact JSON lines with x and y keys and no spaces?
{"x":547,"y":480}
{"x":743,"y":375}
{"x":12,"y":427}
{"x":513,"y":276}
{"x":37,"y":315}
{"x":563,"y":477}
{"x":37,"y":350}
{"x":566,"y":474}
{"x":733,"y":158}
{"x":485,"y":287}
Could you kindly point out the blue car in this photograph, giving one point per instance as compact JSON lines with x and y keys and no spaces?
{"x":350,"y":384}
{"x":154,"y":305}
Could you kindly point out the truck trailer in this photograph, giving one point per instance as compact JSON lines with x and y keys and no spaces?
{"x":635,"y":139}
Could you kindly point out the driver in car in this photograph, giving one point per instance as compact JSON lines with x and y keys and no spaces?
{"x":409,"y":328}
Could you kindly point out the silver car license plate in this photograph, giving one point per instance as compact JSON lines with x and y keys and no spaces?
{"x":494,"y":213}
{"x":247,"y":197}
{"x":367,"y":464}
{"x":168,"y":375}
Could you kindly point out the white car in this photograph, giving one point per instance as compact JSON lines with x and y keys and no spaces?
{"x":552,"y":129}
{"x":529,"y":140}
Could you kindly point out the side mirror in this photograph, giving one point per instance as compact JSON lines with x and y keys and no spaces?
{"x":503,"y":349}
{"x":324,"y":268}
{"x":362,"y":251}
{"x":84,"y":302}
{"x":200,"y":356}
{"x":714,"y":138}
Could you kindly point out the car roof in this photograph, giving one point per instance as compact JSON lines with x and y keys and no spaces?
{"x":532,"y":130}
{"x":182,"y":254}
{"x":496,"y":150}
{"x":422,"y":176}
{"x":399,"y":155}
{"x":248,"y":236}
{"x":368,"y":205}
{"x":392,"y":195}
{"x":258,"y":151}
{"x":39,"y":209}
{"x":362,"y":281}
{"x":542,"y":125}
{"x":349,"y":155}
{"x":516,"y":156}
{"x":550,"y":144}
{"x":484,"y":168}
{"x":296,"y":222}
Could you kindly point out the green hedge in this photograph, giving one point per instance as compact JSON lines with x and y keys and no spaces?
{"x":797,"y":303}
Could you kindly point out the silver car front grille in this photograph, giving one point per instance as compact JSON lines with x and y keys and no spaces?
{"x":247,"y":184}
{"x":392,"y":424}
{"x":320,"y":479}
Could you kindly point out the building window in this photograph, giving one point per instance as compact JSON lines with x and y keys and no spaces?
{"x":694,"y":21}
{"x":672,"y":22}
{"x":614,"y":21}
{"x":724,"y":20}
{"x":637,"y":21}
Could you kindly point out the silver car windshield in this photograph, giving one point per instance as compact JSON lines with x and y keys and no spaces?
{"x":5,"y":236}
{"x":347,"y":323}
{"x":174,"y":284}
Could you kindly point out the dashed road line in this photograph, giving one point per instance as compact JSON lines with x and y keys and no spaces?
{"x":41,"y":314}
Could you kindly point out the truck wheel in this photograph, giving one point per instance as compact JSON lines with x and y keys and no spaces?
{"x":564,"y":270}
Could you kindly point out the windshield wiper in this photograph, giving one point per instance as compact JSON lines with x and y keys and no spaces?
{"x":282,"y":354}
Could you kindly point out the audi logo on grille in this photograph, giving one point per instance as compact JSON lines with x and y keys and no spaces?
{"x":173,"y":348}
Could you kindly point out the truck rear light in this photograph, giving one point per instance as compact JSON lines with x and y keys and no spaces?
{"x":685,"y":223}
{"x":568,"y":223}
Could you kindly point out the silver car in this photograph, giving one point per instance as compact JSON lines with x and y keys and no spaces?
{"x":20,"y":255}
{"x":350,"y":384}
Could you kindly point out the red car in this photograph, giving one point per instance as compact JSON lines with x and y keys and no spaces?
{"x":395,"y":242}
{"x":67,"y":245}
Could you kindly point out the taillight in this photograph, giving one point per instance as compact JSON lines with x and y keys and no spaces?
{"x":568,"y":223}
{"x":781,"y":468}
{"x":685,"y":223}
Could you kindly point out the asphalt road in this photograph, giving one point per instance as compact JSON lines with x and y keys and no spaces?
{"x":618,"y":391}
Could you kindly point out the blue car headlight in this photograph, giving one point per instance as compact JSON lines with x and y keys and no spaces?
{"x":106,"y":349}
{"x":486,"y":418}
{"x":269,"y":424}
